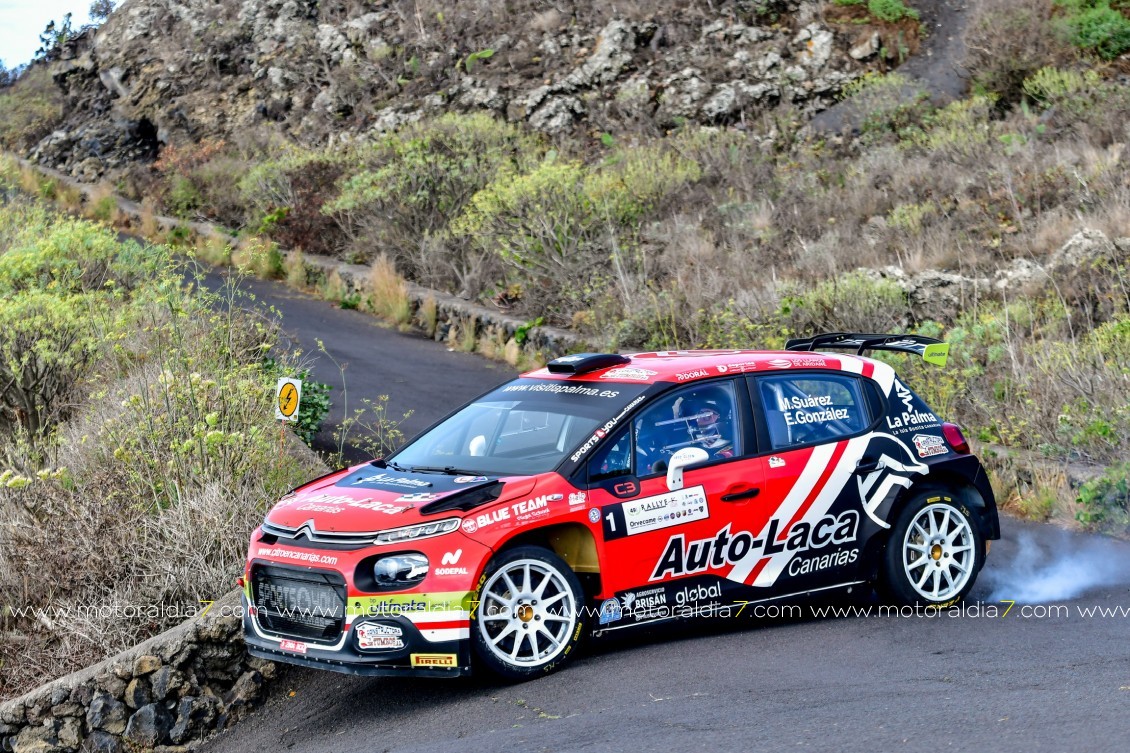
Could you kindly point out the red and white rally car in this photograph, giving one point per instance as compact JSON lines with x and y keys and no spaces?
{"x":608,"y":491}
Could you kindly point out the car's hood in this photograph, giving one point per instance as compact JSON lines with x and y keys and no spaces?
{"x":368,"y":498}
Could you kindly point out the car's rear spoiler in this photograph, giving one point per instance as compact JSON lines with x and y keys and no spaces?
{"x":930,"y":349}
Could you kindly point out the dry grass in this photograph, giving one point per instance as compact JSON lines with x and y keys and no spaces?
{"x":388,"y":293}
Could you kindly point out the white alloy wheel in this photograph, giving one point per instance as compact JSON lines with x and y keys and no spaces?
{"x":527,"y":613}
{"x":938,"y":552}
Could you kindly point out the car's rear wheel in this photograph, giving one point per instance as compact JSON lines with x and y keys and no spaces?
{"x":529,"y":616}
{"x":934,"y":553}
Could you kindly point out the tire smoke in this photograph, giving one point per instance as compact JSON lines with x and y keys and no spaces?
{"x":1059,"y":569}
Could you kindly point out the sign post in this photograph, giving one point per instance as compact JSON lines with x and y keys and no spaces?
{"x":288,"y":396}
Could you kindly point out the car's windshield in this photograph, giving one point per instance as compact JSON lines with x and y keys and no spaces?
{"x":524,"y":427}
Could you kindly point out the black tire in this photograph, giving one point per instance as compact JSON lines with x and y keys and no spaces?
{"x":529,"y":614}
{"x":934,"y":553}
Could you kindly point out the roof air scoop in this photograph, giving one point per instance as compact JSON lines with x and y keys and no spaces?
{"x":582,"y":363}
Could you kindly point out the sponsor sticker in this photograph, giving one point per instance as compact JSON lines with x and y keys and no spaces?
{"x":469,"y":525}
{"x":630,"y":372}
{"x":334,"y":503}
{"x":389,"y":480}
{"x":610,"y":611}
{"x":435,"y":660}
{"x":681,"y":557}
{"x":664,"y":510}
{"x":693,"y":374}
{"x":928,"y":445}
{"x":776,"y":461}
{"x":577,"y":499}
{"x":417,"y":497}
{"x":647,"y":604}
{"x":594,"y":515}
{"x":375,"y":637}
{"x":469,"y":479}
{"x":297,"y":647}
{"x":780,"y":363}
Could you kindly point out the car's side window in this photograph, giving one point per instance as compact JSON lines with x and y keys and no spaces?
{"x":703,"y":415}
{"x":804,"y":409}
{"x":614,"y":458}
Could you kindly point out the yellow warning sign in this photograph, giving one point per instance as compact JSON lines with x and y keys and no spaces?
{"x":289,"y":395}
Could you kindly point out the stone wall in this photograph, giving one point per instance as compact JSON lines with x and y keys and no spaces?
{"x":165,"y":694}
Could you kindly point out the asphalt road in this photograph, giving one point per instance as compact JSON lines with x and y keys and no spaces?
{"x":364,"y":359}
{"x":979,"y":682}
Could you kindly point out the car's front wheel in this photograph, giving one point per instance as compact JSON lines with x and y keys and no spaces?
{"x":529,"y":616}
{"x":934,"y":553}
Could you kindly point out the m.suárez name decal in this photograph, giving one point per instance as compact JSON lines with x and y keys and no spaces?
{"x":725,"y":548}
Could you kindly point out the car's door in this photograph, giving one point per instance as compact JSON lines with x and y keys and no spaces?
{"x":828,"y":474}
{"x":663,"y":551}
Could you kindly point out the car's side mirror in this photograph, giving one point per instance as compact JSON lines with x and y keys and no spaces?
{"x":679,"y":461}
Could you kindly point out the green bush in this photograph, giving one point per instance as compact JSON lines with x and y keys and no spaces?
{"x":410,"y":185}
{"x":1095,"y":26}
{"x":1105,"y":502}
{"x":284,"y":196}
{"x":890,"y":11}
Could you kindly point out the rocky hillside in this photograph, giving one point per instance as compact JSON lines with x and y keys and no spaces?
{"x":173,"y":71}
{"x":662,"y":175}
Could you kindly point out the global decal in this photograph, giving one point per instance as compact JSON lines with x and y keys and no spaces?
{"x":681,"y":557}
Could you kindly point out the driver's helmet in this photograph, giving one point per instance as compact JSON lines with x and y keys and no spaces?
{"x":707,"y":414}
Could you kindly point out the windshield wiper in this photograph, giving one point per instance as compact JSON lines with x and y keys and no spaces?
{"x":447,"y":469}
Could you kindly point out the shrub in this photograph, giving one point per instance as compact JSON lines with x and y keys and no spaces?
{"x":1095,"y":26}
{"x":29,"y":110}
{"x":1105,"y":501}
{"x":412,"y":183}
{"x":284,"y":198}
{"x":1008,"y":41}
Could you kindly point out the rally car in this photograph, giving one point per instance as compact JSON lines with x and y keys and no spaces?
{"x":607,"y":491}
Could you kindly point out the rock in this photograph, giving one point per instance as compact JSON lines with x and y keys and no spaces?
{"x":113,"y":685}
{"x":39,"y":739}
{"x":59,"y":695}
{"x":816,"y":45}
{"x":102,"y":742}
{"x":1083,"y":248}
{"x":137,"y":693}
{"x":557,"y":114}
{"x":107,"y":714}
{"x":246,"y":690}
{"x":70,"y":733}
{"x":723,"y":102}
{"x":166,"y":682}
{"x":865,"y":48}
{"x":614,"y":46}
{"x":13,"y":713}
{"x":266,"y":667}
{"x":122,"y":672}
{"x":195,"y":715}
{"x":67,"y":709}
{"x":146,"y":664}
{"x":149,"y":726}
{"x":1020,"y":274}
{"x":82,"y":695}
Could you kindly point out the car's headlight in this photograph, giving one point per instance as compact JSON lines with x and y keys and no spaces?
{"x":419,"y":531}
{"x":400,"y":570}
